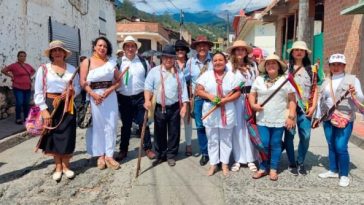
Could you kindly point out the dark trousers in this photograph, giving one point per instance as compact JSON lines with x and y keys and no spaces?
{"x":131,"y":109}
{"x":167,"y":123}
{"x":22,"y":100}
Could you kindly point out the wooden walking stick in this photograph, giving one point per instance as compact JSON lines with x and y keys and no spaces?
{"x":141,"y":143}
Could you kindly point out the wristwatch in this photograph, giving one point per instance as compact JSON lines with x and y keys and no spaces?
{"x":291,"y":117}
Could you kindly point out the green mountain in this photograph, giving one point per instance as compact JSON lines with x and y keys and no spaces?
{"x":213,"y":29}
{"x":203,"y":17}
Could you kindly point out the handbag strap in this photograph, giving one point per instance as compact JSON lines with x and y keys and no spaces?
{"x":332,"y":92}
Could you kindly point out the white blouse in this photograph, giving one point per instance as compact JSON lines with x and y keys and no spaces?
{"x":207,"y":80}
{"x":273,"y":114}
{"x":54,"y":83}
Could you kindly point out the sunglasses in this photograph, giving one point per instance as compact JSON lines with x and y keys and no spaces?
{"x":180,"y":49}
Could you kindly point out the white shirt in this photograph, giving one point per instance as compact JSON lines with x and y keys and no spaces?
{"x":54,"y":83}
{"x":136,"y":76}
{"x":207,"y":80}
{"x":273,"y":114}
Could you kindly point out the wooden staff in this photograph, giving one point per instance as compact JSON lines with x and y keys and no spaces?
{"x":141,"y":143}
{"x":279,"y":87}
{"x":332,"y":109}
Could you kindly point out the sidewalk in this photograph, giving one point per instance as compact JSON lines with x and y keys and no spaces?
{"x":11,"y":133}
{"x":357,"y":136}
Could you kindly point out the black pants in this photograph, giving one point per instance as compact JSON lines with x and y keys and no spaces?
{"x":131,"y":109}
{"x":167,"y":123}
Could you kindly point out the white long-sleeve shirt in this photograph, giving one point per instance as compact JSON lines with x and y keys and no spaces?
{"x":54,"y":83}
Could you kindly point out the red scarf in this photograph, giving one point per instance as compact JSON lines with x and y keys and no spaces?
{"x":220,"y":94}
{"x":163,"y":93}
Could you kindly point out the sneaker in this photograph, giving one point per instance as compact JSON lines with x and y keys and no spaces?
{"x":329,"y":174}
{"x":171,"y":162}
{"x":344,"y":181}
{"x":293,"y":170}
{"x":301,"y":169}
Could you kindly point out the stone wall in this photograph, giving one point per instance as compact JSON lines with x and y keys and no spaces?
{"x":26,"y":28}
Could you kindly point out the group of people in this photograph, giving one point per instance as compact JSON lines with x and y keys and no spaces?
{"x":242,"y":105}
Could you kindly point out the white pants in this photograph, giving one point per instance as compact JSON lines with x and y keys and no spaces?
{"x":188,"y":130}
{"x":219,"y":144}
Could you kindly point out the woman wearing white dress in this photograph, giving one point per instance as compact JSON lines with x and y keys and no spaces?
{"x":214,"y":86}
{"x":246,"y":71}
{"x":98,"y":78}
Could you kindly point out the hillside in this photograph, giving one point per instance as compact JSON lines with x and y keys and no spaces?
{"x":210,"y":25}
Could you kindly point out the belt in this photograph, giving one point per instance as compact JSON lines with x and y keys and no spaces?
{"x":53,"y":95}
{"x":141,"y":94}
{"x":100,"y":85}
{"x":245,"y":89}
{"x":175,"y":105}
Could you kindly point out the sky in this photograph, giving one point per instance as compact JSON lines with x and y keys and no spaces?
{"x":215,"y":6}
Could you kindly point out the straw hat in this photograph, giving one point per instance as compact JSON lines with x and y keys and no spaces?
{"x":129,"y":39}
{"x":201,"y":39}
{"x":241,"y":44}
{"x":261,"y":66}
{"x":299,"y":45}
{"x":57,"y":44}
{"x":118,"y":51}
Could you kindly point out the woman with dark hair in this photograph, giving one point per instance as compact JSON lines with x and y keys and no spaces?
{"x":246,"y":71}
{"x":50,"y":84}
{"x":271,"y":119}
{"x":214,"y":86}
{"x":298,"y":56}
{"x":98,"y":77}
{"x":21,"y":74}
{"x":182,"y":49}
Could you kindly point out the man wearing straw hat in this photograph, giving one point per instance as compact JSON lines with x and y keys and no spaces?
{"x":131,"y":96}
{"x":196,"y":66}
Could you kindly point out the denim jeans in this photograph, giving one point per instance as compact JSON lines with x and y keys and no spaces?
{"x":22,"y":100}
{"x":337,"y":140}
{"x":272,"y":141}
{"x":201,"y":132}
{"x":304,"y":133}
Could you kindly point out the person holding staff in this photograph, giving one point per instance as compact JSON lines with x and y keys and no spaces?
{"x":214,"y":86}
{"x":271,"y":118}
{"x":337,"y":135}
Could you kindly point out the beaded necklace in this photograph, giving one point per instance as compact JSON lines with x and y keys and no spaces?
{"x":270,"y":82}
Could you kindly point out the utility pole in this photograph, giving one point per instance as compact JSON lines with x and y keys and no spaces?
{"x":305,"y":23}
{"x":227,"y":29}
{"x":180,"y":24}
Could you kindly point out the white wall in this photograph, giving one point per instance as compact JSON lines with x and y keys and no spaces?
{"x":262,"y":36}
{"x":24,"y":26}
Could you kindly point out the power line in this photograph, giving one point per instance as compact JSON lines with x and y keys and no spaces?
{"x":173,"y":5}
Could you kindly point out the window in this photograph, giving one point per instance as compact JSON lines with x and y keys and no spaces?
{"x":146,"y":45}
{"x":102,"y":21}
{"x":70,"y":36}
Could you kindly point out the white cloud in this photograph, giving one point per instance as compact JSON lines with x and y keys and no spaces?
{"x":160,"y":6}
{"x":244,"y":4}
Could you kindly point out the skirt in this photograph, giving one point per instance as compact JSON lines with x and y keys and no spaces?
{"x":62,"y":140}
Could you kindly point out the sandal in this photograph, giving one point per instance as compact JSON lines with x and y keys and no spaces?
{"x":235,"y":167}
{"x":101,"y":163}
{"x":225,"y":169}
{"x":252,"y":167}
{"x":111,"y":163}
{"x":211,"y":170}
{"x":273,"y":176}
{"x":259,"y":174}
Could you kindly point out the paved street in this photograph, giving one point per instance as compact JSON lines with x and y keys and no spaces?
{"x":25,"y":178}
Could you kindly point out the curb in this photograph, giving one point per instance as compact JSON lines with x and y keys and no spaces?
{"x":14,"y":140}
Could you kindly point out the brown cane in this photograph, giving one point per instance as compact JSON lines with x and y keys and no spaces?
{"x":141,"y":143}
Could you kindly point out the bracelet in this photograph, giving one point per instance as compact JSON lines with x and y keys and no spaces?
{"x":291,"y":117}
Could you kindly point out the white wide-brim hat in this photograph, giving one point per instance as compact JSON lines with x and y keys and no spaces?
{"x":57,"y":44}
{"x":299,"y":45}
{"x":131,"y":39}
{"x":261,"y":66}
{"x":239,"y":44}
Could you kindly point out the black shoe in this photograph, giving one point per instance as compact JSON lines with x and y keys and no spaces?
{"x":302,"y":169}
{"x":204,"y":159}
{"x":158,"y":161}
{"x":171,"y":162}
{"x":293,"y":169}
